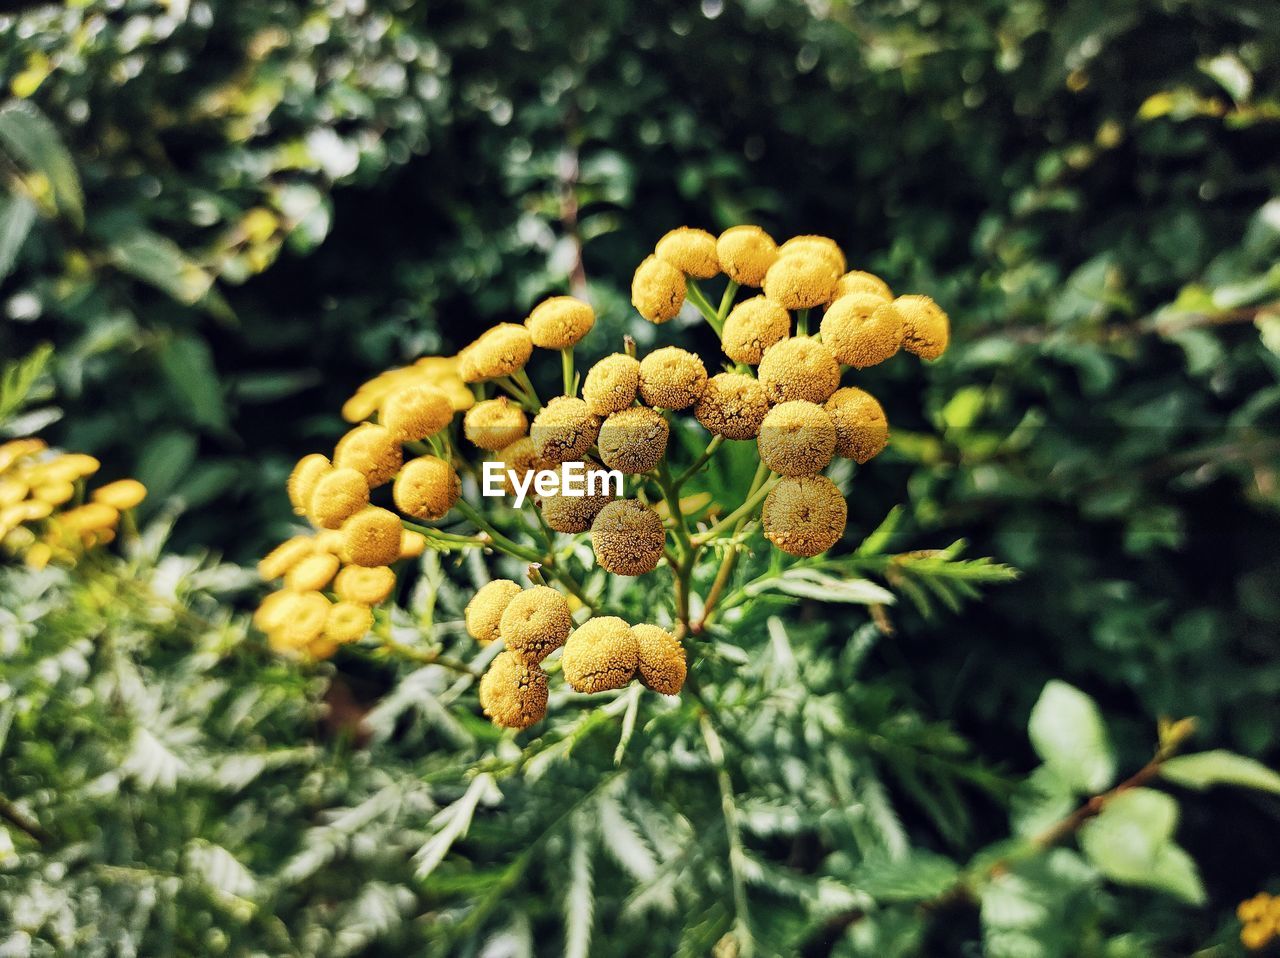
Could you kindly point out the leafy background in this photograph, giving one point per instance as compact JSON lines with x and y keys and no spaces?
{"x":225,"y":216}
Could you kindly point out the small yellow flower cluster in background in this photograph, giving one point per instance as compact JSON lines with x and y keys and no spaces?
{"x":1260,"y":920}
{"x":44,"y":513}
{"x":601,"y":654}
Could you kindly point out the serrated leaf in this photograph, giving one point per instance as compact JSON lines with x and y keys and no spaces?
{"x":918,"y":877}
{"x":17,"y":213}
{"x":1068,"y":734}
{"x":34,"y":144}
{"x":451,"y":823}
{"x":1220,"y":767}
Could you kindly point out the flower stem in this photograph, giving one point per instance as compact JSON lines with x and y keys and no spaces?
{"x":566,"y":367}
{"x":701,"y":461}
{"x":743,"y":511}
{"x":802,"y":322}
{"x":695,"y":296}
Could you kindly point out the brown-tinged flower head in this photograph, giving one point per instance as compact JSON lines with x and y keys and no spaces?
{"x":312,"y":573}
{"x":365,"y":586}
{"x":657,"y":290}
{"x":372,"y":450}
{"x":746,"y":253}
{"x":797,"y":438}
{"x":426,"y":488}
{"x":672,"y":378}
{"x":633,"y":440}
{"x":573,"y":514}
{"x":371,"y":537}
{"x":611,"y":384}
{"x":628,"y":537}
{"x":307,"y":616}
{"x":412,"y":413}
{"x":495,"y":423}
{"x":338,"y":495}
{"x":122,"y":494}
{"x":521,"y":458}
{"x":822,"y":246}
{"x":860,"y":281}
{"x":662,"y":660}
{"x":564,"y":430}
{"x":412,"y":544}
{"x":861,"y":428}
{"x":801,"y":280}
{"x":733,"y":405}
{"x":602,"y":654}
{"x":513,"y":693}
{"x":499,"y":351}
{"x":302,"y":480}
{"x":799,"y":368}
{"x":273,"y":611}
{"x":535,"y":623}
{"x":484,"y":612}
{"x":753,"y":326}
{"x":285,"y":556}
{"x":804,"y":516}
{"x":560,"y":322}
{"x":926,"y":328}
{"x":692,"y":251}
{"x":347,"y":622}
{"x":862,"y":329}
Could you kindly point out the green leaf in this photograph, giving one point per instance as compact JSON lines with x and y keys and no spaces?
{"x":188,"y":366}
{"x":1220,"y":767}
{"x":34,"y":145}
{"x":17,"y":378}
{"x":1068,"y":733}
{"x":17,"y":213}
{"x":919,"y":877}
{"x":1129,"y":842}
{"x":811,"y":584}
{"x":157,"y":260}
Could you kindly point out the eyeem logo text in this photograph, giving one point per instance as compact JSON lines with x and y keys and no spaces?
{"x":571,"y":479}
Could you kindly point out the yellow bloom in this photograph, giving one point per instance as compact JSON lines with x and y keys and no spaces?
{"x":15,"y":449}
{"x":38,"y":556}
{"x":521,"y":458}
{"x":633,"y":440}
{"x":661,"y":659}
{"x":413,"y":413}
{"x":753,"y":326}
{"x":12,"y":491}
{"x":1257,"y":935}
{"x":306,"y":619}
{"x":274,"y":610}
{"x":55,"y":493}
{"x":799,"y":368}
{"x":495,"y":423}
{"x":692,"y":251}
{"x":746,"y":253}
{"x":657,"y":290}
{"x":861,"y":428}
{"x":926,"y":328}
{"x":804,"y":516}
{"x":91,"y":517}
{"x":365,"y":586}
{"x":372,"y":537}
{"x":862,"y":329}
{"x":285,"y":556}
{"x":573,"y":514}
{"x":733,"y":406}
{"x":69,"y":467}
{"x":372,"y":450}
{"x":797,"y":438}
{"x":412,"y":544}
{"x":535,"y":623}
{"x":513,"y":693}
{"x":859,"y":281}
{"x":1256,"y":908}
{"x":328,"y":540}
{"x":560,"y":322}
{"x":801,"y":280}
{"x":602,"y":654}
{"x":564,"y":430}
{"x":627,"y":538}
{"x":820,"y":246}
{"x":611,"y":384}
{"x":303,"y":479}
{"x":500,"y":351}
{"x":123,"y":494}
{"x":347,"y":622}
{"x":483,"y":613}
{"x":426,"y":488}
{"x":312,"y":573}
{"x":338,"y":495}
{"x":672,"y":378}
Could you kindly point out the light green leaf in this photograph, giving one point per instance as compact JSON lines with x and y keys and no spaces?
{"x":34,"y":145}
{"x":1068,"y":733}
{"x":188,"y":366}
{"x":17,"y":213}
{"x":919,"y":877}
{"x":1126,"y":839}
{"x":1175,"y":872}
{"x":1232,"y":75}
{"x":157,"y":260}
{"x":1220,"y":767}
{"x":811,"y":584}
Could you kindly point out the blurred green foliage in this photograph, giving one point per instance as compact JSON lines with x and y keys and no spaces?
{"x":226,"y":216}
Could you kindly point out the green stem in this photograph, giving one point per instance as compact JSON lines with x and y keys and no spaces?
{"x":743,"y":511}
{"x":802,"y":322}
{"x":445,"y":538}
{"x":695,"y":296}
{"x":737,"y":854}
{"x":726,"y":301}
{"x":701,"y":461}
{"x":566,"y":368}
{"x":516,"y":392}
{"x":522,"y":377}
{"x":496,"y":537}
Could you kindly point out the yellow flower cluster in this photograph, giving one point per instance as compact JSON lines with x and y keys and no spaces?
{"x":47,"y":514}
{"x":1260,"y":920}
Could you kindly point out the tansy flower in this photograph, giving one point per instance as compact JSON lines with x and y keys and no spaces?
{"x":801,"y":281}
{"x":733,"y":405}
{"x":573,"y":514}
{"x":312,"y":573}
{"x":412,"y":544}
{"x":611,"y":384}
{"x":861,"y":428}
{"x":500,"y":351}
{"x":661,"y":659}
{"x":413,"y":413}
{"x":284,"y":557}
{"x":564,"y":430}
{"x":753,"y":326}
{"x":371,"y":537}
{"x":483,"y":613}
{"x":338,"y":495}
{"x":347,"y":622}
{"x":535,"y":623}
{"x":691,"y":251}
{"x":560,"y":322}
{"x":55,"y":493}
{"x":672,"y":378}
{"x":859,"y":281}
{"x":602,"y":654}
{"x":657,"y":290}
{"x":303,"y":479}
{"x":633,"y":440}
{"x":426,"y":488}
{"x":69,"y":467}
{"x":513,"y":693}
{"x":820,"y":246}
{"x":14,"y":490}
{"x":862,"y":329}
{"x":797,"y":438}
{"x":307,"y":616}
{"x":90,"y":517}
{"x":746,"y":253}
{"x":804,"y":516}
{"x":372,"y":450}
{"x":627,"y":538}
{"x":799,"y":368}
{"x":364,"y":586}
{"x":274,"y":610}
{"x":328,"y":540}
{"x":495,"y":423}
{"x":926,"y":328}
{"x":123,"y":494}
{"x":521,"y":458}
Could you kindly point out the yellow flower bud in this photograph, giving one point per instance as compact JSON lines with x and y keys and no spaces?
{"x":312,"y":573}
{"x":122,"y":494}
{"x":633,"y":440}
{"x":862,"y":329}
{"x":1257,"y":935}
{"x":746,"y":253}
{"x":15,"y":449}
{"x":347,"y":622}
{"x":521,"y":458}
{"x":926,"y":328}
{"x":38,"y":556}
{"x":513,"y":693}
{"x":573,"y":514}
{"x":799,"y":368}
{"x":861,"y":428}
{"x":797,"y":438}
{"x":535,"y":623}
{"x":628,"y":538}
{"x":564,"y":430}
{"x":733,"y":405}
{"x":495,"y":423}
{"x":413,"y":413}
{"x":371,"y":537}
{"x":426,"y":488}
{"x":611,"y":384}
{"x":338,"y":495}
{"x":662,"y":662}
{"x":500,"y":351}
{"x":859,"y":281}
{"x":672,"y":378}
{"x":274,"y":610}
{"x":692,"y":251}
{"x":657,"y":290}
{"x":483,"y":613}
{"x":55,"y":493}
{"x":285,"y":556}
{"x":303,"y":479}
{"x":804,"y":516}
{"x":412,"y":544}
{"x":90,"y":517}
{"x":820,"y":246}
{"x":364,"y":586}
{"x":753,"y":326}
{"x":801,"y":280}
{"x":307,"y":616}
{"x":560,"y":322}
{"x":602,"y":654}
{"x":372,"y":450}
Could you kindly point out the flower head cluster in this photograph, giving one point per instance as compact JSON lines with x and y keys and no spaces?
{"x":1260,"y":920}
{"x":47,"y":513}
